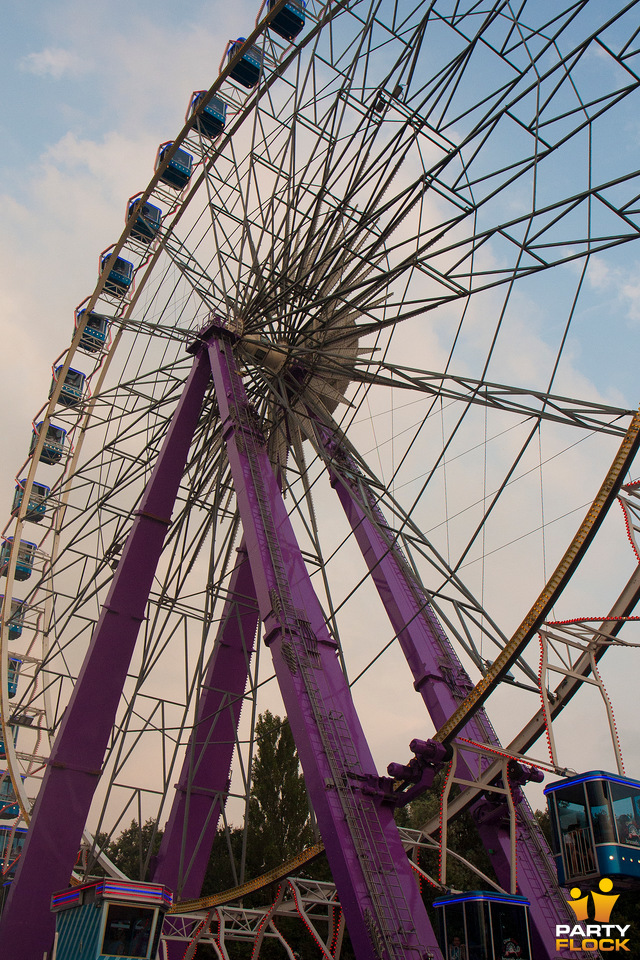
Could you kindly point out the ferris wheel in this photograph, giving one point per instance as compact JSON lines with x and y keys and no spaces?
{"x":325,"y":395}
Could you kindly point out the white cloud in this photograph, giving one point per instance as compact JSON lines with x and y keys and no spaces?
{"x":53,"y":62}
{"x":599,"y":274}
{"x":631,"y":293}
{"x":620,"y":282}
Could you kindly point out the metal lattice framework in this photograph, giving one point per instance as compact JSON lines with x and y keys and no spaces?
{"x":405,"y":184}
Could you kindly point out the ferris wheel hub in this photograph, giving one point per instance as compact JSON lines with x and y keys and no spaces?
{"x":309,"y":365}
{"x":269,"y":354}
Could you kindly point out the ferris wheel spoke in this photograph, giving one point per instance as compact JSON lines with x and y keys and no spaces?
{"x":406,"y":532}
{"x":508,"y":399}
{"x":420,"y":635}
{"x":462,"y":614}
{"x":538,"y":261}
{"x":467,"y":617}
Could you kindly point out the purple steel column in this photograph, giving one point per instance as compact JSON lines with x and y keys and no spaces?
{"x":383,"y":907}
{"x":74,"y":767}
{"x":202,"y":789}
{"x":443,"y":682}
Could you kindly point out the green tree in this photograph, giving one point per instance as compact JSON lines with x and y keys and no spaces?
{"x":462,"y":838}
{"x":223,"y":868}
{"x":279,"y":824}
{"x":542,"y":816}
{"x":132,"y":848}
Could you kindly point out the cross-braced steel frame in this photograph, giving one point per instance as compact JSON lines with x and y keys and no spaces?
{"x":352,"y":803}
{"x":356,"y":190}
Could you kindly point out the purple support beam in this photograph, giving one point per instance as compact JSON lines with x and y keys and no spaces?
{"x":443,"y":682}
{"x":74,"y":767}
{"x":381,"y":900}
{"x":204,"y":781}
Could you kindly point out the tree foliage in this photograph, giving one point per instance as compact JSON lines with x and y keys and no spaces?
{"x":462,"y":838}
{"x":279,"y":824}
{"x":132,"y":849}
{"x":223,"y":869}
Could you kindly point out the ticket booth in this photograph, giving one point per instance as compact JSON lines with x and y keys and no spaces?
{"x":110,"y":918}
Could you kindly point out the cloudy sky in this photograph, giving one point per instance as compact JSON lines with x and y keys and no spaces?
{"x":90,"y":91}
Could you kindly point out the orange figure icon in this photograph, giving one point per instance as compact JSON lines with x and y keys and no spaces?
{"x":579,"y":907}
{"x":605,"y":901}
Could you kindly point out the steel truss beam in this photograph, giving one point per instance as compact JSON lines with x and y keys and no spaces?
{"x":202,"y":788}
{"x":600,"y":418}
{"x":313,"y":901}
{"x":379,"y":894}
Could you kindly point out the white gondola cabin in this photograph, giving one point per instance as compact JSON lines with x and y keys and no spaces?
{"x":119,"y":275}
{"x":289,"y":21}
{"x":15,"y":620}
{"x":483,"y":925}
{"x":53,"y":447}
{"x":37,"y":507}
{"x":147,"y":220}
{"x":94,"y":335}
{"x":24,"y":562}
{"x":72,"y":388}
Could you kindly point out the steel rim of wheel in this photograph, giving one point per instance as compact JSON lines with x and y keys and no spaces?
{"x":374,"y":208}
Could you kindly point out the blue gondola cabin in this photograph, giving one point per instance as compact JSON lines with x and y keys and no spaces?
{"x":483,"y":925}
{"x":110,"y":918}
{"x":13,"y":732}
{"x":147,"y":220}
{"x":595,"y":828}
{"x":13,"y":674}
{"x":94,"y":335}
{"x":15,"y":621}
{"x":178,"y":170}
{"x":289,"y":21}
{"x":119,"y":275}
{"x":24,"y":562}
{"x":37,"y":508}
{"x":11,"y":843}
{"x":247,"y":70}
{"x":9,"y":807}
{"x":72,"y":389}
{"x":212,"y":117}
{"x":53,"y":447}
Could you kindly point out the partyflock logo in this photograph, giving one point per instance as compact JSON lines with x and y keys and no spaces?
{"x":594,"y":933}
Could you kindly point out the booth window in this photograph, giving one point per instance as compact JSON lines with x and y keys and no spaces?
{"x":127,"y":931}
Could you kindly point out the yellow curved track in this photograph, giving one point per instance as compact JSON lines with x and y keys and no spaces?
{"x":235,"y":893}
{"x":554,"y":586}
